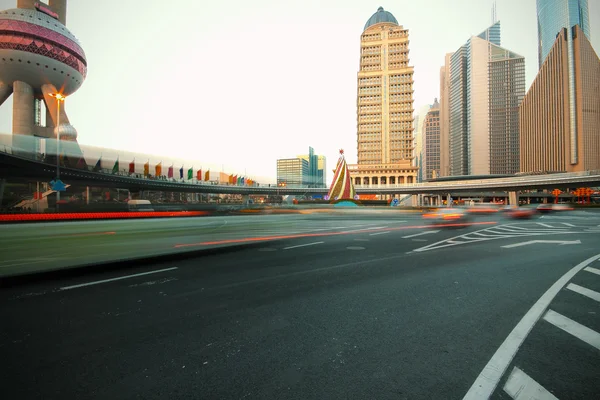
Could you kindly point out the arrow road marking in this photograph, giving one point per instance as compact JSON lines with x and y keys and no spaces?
{"x":419,"y":234}
{"x":560,"y":242}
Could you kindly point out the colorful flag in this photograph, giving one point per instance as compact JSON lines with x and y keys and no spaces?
{"x":116,"y":166}
{"x":98,"y":165}
{"x":235,"y":179}
{"x":239,"y":180}
{"x":231,"y":178}
{"x":158,"y":169}
{"x":199,"y":175}
{"x":147,"y":168}
{"x":170,"y":173}
{"x":181,"y":172}
{"x":243,"y":181}
{"x":191,"y":173}
{"x":207,"y":175}
{"x":132,"y":167}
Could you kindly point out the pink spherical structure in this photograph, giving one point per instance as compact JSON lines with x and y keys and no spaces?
{"x":39,"y":57}
{"x":37,"y":49}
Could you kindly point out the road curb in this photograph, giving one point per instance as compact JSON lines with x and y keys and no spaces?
{"x":116,"y":265}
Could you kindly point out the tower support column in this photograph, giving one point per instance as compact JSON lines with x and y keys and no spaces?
{"x":23,"y":117}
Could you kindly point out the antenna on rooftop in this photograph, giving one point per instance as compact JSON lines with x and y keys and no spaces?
{"x":494,"y":16}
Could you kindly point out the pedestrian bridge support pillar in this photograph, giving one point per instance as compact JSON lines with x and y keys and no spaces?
{"x":513,"y":198}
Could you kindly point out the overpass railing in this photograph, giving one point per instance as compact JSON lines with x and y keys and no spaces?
{"x":475,"y":183}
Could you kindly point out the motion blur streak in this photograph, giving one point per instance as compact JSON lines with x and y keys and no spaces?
{"x":89,"y":234}
{"x":303,"y":235}
{"x":109,"y":215}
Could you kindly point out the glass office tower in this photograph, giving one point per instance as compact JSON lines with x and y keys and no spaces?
{"x":553,"y":15}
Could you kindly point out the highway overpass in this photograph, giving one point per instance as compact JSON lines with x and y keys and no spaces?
{"x":17,"y":168}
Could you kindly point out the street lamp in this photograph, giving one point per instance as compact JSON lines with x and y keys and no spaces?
{"x":59,"y":97}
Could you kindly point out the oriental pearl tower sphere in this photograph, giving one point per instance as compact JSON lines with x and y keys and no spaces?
{"x":39,"y":58}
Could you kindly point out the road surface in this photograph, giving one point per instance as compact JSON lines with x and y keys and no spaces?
{"x":386,"y":310}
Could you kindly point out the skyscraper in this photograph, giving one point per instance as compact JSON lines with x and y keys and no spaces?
{"x":547,"y":115}
{"x":316,"y":168}
{"x":553,"y":16}
{"x":384,"y":104}
{"x":292,"y":172}
{"x":419,"y":136}
{"x":431,"y":143}
{"x":487,"y":83}
{"x":445,"y":117}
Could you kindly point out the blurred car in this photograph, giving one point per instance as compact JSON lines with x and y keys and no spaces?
{"x":484,"y":208}
{"x":547,"y":208}
{"x":447,"y":216}
{"x":521,"y":212}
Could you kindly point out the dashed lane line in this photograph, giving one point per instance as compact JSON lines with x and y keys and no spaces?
{"x":379,"y":233}
{"x":581,"y":332}
{"x":488,"y":379}
{"x":116,"y":279}
{"x":302,"y":245}
{"x":521,"y":386}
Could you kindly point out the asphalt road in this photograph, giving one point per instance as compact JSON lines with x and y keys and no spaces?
{"x":383,"y":310}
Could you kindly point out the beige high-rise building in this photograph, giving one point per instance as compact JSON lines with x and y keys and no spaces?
{"x":550,"y":140}
{"x":384,"y":105}
{"x":445,"y":117}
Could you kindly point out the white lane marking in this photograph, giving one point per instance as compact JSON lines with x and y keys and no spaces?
{"x":488,"y":379}
{"x":546,"y":225}
{"x":302,"y":245}
{"x":592,"y":270}
{"x":559,"y":242}
{"x":592,"y":294}
{"x":379,"y":233}
{"x":520,"y":386}
{"x":567,"y":224}
{"x":581,"y":332}
{"x":116,"y":279}
{"x":517,"y":227}
{"x":419,"y":234}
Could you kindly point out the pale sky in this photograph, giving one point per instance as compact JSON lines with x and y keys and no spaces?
{"x":242,"y":83}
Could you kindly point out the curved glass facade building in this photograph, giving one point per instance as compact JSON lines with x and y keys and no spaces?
{"x":554,"y":15}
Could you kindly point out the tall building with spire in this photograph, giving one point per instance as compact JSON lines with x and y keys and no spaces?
{"x":384,"y":104}
{"x":486,"y":85}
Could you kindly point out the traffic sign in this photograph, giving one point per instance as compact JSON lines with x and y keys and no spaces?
{"x":58,"y":185}
{"x":395,"y":203}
